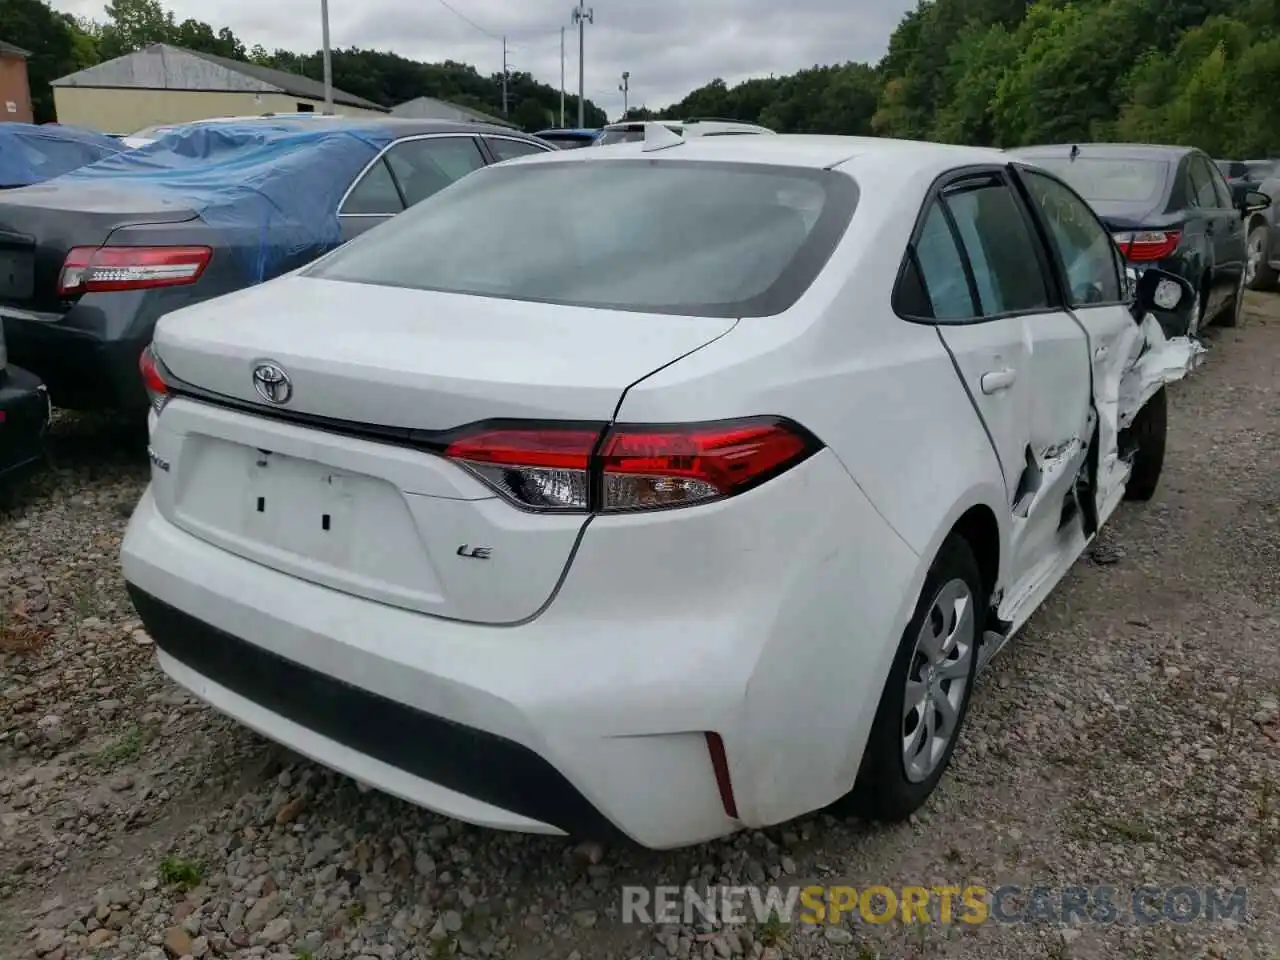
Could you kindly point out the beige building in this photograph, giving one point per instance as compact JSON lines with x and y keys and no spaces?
{"x":166,"y":84}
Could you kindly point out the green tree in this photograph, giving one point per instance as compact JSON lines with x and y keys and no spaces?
{"x":531,"y":115}
{"x":132,"y":25}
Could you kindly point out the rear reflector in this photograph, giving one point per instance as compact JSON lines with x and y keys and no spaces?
{"x":1147,"y":245}
{"x":720,"y":766}
{"x":153,"y":379}
{"x":106,"y":269}
{"x":628,"y":467}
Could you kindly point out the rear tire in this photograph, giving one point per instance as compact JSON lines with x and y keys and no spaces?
{"x":1235,"y":317}
{"x":936,"y":662}
{"x":1259,"y":274}
{"x":1146,"y":438}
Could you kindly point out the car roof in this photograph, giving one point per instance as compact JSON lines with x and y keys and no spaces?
{"x":1127,"y":151}
{"x":399,"y":126}
{"x":790,"y":149}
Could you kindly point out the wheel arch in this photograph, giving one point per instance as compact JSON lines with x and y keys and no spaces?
{"x":979,"y":528}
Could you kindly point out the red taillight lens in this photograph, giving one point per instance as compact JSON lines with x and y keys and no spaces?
{"x":572,"y":467}
{"x":670,"y":467}
{"x":543,"y":468}
{"x":106,"y":269}
{"x":153,"y":379}
{"x":1147,"y":245}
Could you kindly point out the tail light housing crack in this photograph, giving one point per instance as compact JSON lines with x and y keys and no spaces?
{"x":623,"y":468}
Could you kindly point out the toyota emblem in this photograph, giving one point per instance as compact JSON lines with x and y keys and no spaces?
{"x":271,"y":382}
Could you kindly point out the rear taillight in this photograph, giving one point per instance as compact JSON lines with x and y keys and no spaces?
{"x":106,"y":269}
{"x":1146,"y":245}
{"x":153,"y":379}
{"x":628,"y":467}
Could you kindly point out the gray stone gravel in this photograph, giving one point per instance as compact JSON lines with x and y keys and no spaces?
{"x":1130,"y":736}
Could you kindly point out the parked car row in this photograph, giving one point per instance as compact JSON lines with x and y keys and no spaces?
{"x":630,"y":131}
{"x":97,"y":256}
{"x":1169,"y":207}
{"x":426,"y":548}
{"x":431,"y":441}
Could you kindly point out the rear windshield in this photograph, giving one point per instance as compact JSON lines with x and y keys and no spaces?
{"x":626,"y":135}
{"x":1110,"y":180}
{"x":679,"y":237}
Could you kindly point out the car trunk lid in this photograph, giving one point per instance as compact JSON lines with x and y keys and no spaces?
{"x":40,"y":224}
{"x":331,"y":486}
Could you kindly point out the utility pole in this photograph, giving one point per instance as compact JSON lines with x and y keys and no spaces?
{"x":625,"y":87}
{"x":582,"y":16}
{"x":562,"y":78}
{"x":328,"y":60}
{"x":504,"y":76}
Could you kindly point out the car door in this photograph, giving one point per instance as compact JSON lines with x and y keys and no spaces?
{"x":406,"y":172}
{"x":1235,"y":240}
{"x":1023,"y":359}
{"x":1095,"y":289}
{"x":1221,"y":226}
{"x":508,"y":148}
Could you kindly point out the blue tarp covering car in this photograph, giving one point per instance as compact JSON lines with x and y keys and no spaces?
{"x":271,"y":190}
{"x":32,"y":153}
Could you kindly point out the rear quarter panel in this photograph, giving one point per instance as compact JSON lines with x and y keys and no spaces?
{"x":883,"y":396}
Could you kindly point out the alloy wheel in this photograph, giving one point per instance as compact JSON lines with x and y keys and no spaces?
{"x":938,"y":680}
{"x":1253,"y":259}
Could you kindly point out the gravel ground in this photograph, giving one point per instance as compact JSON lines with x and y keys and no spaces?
{"x":1131,"y":735}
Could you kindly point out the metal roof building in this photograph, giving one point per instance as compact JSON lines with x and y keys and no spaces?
{"x":166,"y":84}
{"x":429,"y":108}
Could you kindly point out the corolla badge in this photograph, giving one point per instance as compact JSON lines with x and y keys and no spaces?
{"x":272,"y":382}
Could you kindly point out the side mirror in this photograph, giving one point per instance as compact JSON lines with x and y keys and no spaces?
{"x":1248,"y":200}
{"x":1255,"y":200}
{"x":1168,"y":297}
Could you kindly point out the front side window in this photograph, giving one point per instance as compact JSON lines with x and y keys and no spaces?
{"x":425,"y":167}
{"x":667,"y":236}
{"x":1085,"y":249}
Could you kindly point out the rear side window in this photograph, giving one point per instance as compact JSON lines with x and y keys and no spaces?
{"x":425,"y":167}
{"x":505,"y":149}
{"x":679,"y":237}
{"x":942,"y":268}
{"x":1001,"y":251}
{"x":375,"y":194}
{"x":1202,"y":192}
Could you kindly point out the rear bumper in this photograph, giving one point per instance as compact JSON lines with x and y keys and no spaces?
{"x":769,"y":623}
{"x":24,"y":419}
{"x":83,"y":369}
{"x":364,"y":733}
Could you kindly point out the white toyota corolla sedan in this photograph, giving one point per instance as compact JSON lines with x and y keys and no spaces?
{"x":663,"y":489}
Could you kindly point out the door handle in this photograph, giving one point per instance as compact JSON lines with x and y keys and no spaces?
{"x":997,"y":380}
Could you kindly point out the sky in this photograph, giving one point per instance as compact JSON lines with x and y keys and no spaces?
{"x":670,"y":47}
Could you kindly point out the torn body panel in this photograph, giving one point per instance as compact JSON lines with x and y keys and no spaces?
{"x":1126,"y":375}
{"x":1124,"y":380}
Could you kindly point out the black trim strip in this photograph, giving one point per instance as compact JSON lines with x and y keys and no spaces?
{"x":473,"y":762}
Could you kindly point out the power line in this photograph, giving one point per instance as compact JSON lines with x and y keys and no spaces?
{"x":465,"y":19}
